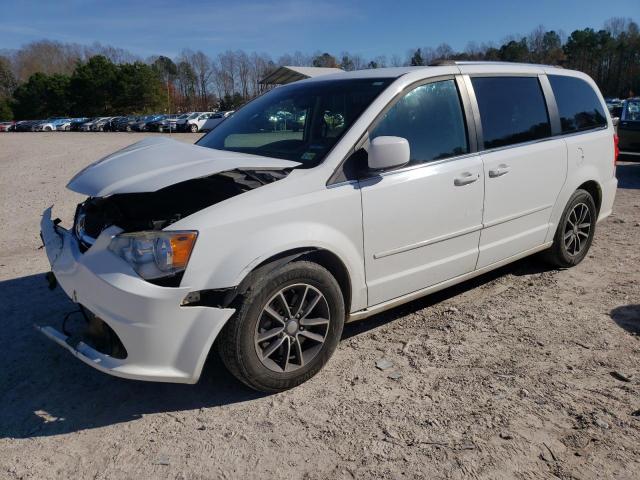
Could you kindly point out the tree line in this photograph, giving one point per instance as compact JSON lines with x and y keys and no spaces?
{"x":49,"y":78}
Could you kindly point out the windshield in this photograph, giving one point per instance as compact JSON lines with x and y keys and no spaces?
{"x":299,"y":122}
{"x":632,"y":111}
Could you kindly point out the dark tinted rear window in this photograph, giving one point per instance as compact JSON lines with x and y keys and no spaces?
{"x":512,"y":110}
{"x":578,"y":104}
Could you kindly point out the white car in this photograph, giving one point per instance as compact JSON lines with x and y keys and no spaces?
{"x":214,"y":120}
{"x":49,"y":125}
{"x":193,"y":121}
{"x":261,"y":242}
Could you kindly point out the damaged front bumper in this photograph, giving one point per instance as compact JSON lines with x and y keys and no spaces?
{"x":164,"y":341}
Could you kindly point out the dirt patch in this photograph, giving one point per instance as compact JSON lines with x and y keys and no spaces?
{"x":508,"y":376}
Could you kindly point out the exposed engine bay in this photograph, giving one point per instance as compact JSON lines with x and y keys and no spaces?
{"x":156,"y":210}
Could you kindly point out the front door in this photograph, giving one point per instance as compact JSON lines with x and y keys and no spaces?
{"x":422,"y":222}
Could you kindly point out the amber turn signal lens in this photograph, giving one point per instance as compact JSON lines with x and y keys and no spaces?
{"x":181,"y":247}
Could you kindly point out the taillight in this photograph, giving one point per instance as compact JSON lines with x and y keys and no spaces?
{"x":616,"y":150}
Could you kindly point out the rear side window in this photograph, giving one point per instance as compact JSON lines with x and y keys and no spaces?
{"x":512,"y":110}
{"x":578,"y":105}
{"x":430,"y":118}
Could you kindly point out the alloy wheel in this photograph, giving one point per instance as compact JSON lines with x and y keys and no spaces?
{"x":292,"y":328}
{"x":577,"y":229}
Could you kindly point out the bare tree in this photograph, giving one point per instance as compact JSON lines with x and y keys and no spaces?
{"x":261,"y":65}
{"x":379,"y":61}
{"x":616,"y":26}
{"x":228,"y":66}
{"x":396,"y":61}
{"x":442,"y":52}
{"x":45,"y":56}
{"x":186,"y":86}
{"x":244,"y":70}
{"x":202,"y":69}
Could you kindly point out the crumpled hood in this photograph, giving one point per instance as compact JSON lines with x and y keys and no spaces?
{"x":157,"y":162}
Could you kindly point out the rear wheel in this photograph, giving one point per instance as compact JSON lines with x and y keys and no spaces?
{"x":193,"y":128}
{"x":286,"y":328}
{"x":575,"y":231}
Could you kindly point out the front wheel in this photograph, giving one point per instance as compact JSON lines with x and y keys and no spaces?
{"x":286,"y":328}
{"x":194,"y":128}
{"x":575,"y":231}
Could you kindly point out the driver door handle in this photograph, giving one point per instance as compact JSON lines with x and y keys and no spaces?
{"x":500,"y":170}
{"x":465,"y":179}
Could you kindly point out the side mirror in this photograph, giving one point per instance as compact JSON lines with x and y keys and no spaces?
{"x":388,"y":152}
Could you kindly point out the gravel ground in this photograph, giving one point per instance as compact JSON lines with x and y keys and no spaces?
{"x":526,"y":372}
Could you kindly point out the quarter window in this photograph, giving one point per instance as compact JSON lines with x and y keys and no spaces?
{"x":578,"y":105}
{"x":512,"y":110}
{"x":430,"y":118}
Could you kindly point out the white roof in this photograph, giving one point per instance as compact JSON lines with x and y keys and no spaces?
{"x":288,"y":74}
{"x":293,"y":74}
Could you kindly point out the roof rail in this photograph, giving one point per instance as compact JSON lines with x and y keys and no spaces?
{"x":439,"y":63}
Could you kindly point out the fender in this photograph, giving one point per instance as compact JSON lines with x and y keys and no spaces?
{"x":588,"y":173}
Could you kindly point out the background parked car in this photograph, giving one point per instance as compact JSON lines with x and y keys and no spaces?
{"x":52,"y":124}
{"x":629,"y":129}
{"x":64,"y":124}
{"x":77,"y":123}
{"x":99,"y":125}
{"x":141,"y":124}
{"x":124,"y":124}
{"x":26,"y":125}
{"x":86,"y":127}
{"x":214,"y":120}
{"x":110,"y":125}
{"x":6,"y":126}
{"x":165,"y":124}
{"x":615,"y":107}
{"x":194,"y":122}
{"x":44,"y":125}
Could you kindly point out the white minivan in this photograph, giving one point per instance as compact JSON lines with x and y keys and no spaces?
{"x":261,"y":240}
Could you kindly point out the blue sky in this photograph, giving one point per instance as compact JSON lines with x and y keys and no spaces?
{"x":366,"y":27}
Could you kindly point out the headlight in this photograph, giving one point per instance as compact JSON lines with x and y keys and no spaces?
{"x":155,"y":254}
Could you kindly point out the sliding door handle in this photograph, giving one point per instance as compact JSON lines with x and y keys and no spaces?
{"x":465,"y":179}
{"x":500,"y":170}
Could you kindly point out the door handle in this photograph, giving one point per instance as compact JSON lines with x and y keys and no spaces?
{"x":500,"y":170}
{"x":465,"y":179}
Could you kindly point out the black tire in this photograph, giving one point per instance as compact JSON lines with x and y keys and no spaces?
{"x":562,"y":255}
{"x":193,"y":128}
{"x":236,"y":346}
